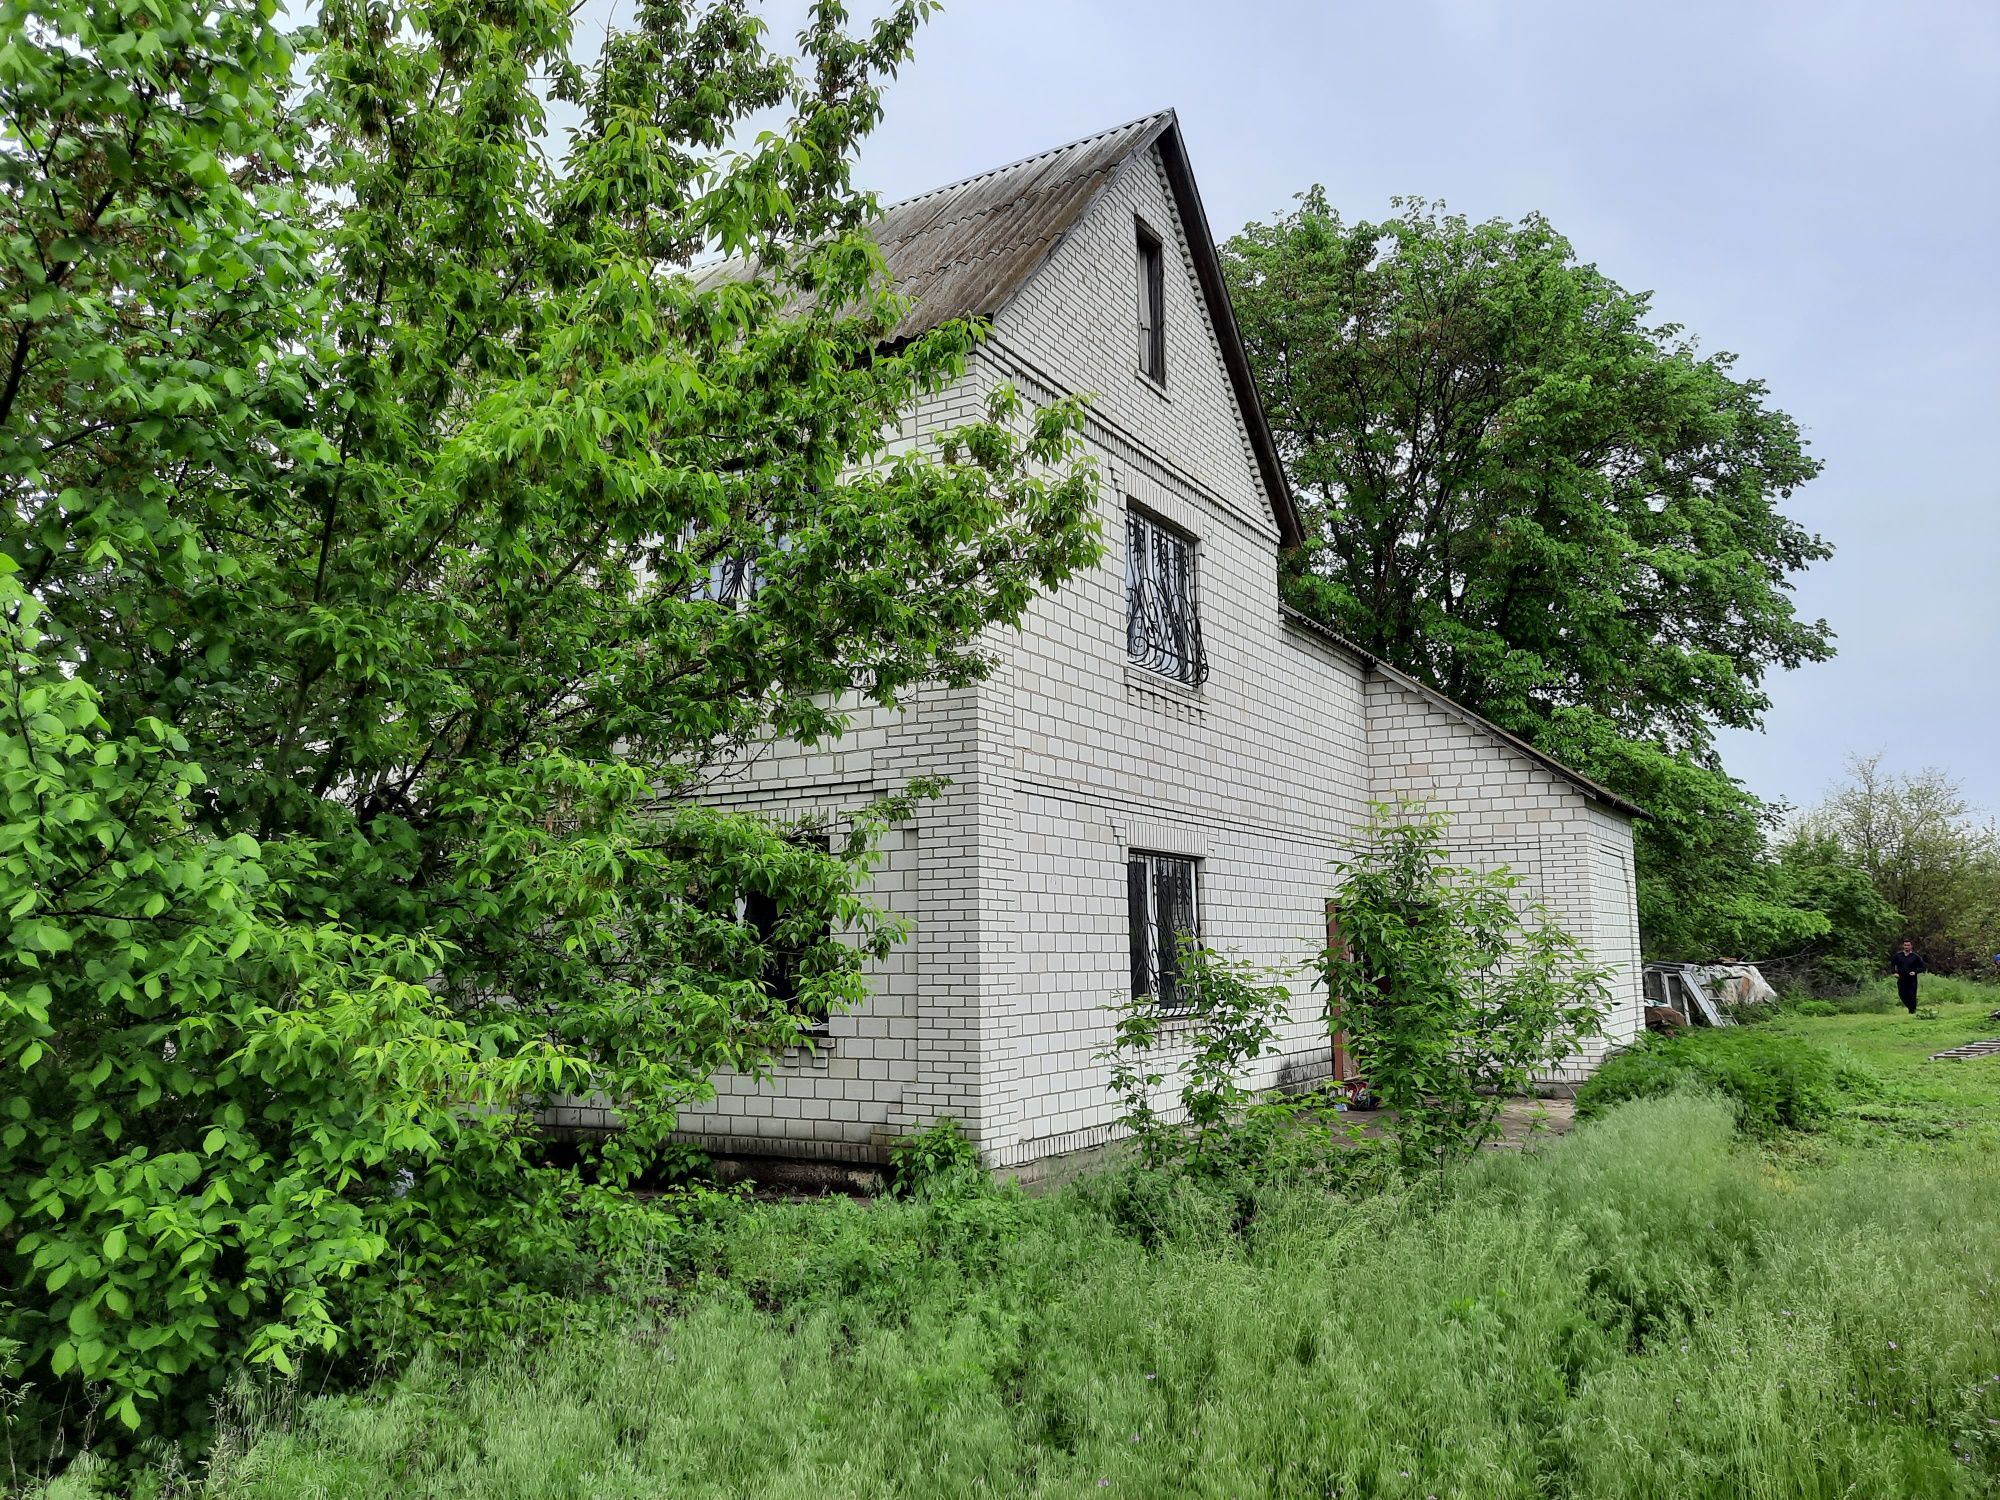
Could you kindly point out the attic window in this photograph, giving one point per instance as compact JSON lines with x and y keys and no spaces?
{"x":1152,"y":307}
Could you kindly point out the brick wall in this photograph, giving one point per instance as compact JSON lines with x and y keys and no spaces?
{"x":1575,"y":854}
{"x":1070,"y":757}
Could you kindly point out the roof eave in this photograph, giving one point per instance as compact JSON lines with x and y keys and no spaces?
{"x":1235,"y":358}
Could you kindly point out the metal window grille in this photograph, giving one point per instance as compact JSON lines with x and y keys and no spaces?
{"x":1152,"y":306}
{"x":731,"y":580}
{"x":1162,"y":614}
{"x":1160,"y":891}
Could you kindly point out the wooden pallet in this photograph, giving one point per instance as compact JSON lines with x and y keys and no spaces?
{"x":1970,"y":1049}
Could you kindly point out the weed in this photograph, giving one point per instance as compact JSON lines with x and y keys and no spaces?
{"x":1645,"y":1308}
{"x":939,"y":1161}
{"x":1774,"y":1082}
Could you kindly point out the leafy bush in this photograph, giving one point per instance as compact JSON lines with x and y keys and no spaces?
{"x":1774,"y":1082}
{"x":938,"y":1161}
{"x":1450,"y":997}
{"x":1813,"y":1008}
{"x":1225,"y":1018}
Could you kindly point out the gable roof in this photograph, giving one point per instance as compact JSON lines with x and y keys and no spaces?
{"x":965,"y":250}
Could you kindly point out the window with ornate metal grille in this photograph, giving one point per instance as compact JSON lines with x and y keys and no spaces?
{"x":1162,"y":614}
{"x":1163,"y":905}
{"x":731,"y":580}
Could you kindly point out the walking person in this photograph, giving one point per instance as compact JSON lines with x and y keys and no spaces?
{"x":1906,"y":963}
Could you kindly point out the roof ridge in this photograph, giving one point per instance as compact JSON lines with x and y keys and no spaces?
{"x":1082,"y":140}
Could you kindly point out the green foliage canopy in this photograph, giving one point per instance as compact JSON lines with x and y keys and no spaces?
{"x":1521,"y":489}
{"x":371,"y":482}
{"x":1932,"y":860}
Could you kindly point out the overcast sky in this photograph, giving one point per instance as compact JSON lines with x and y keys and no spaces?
{"x":1814,"y":186}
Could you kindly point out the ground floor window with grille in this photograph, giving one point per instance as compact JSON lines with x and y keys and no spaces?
{"x":1162,"y":892}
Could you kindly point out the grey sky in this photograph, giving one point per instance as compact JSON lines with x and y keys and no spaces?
{"x":1815,"y":186}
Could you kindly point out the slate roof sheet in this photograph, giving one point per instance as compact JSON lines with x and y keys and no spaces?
{"x":961,"y":251}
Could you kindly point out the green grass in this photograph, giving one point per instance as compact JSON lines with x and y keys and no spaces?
{"x":1646,"y":1308}
{"x":1952,"y":1105}
{"x":1653,"y":1306}
{"x":1878,"y":996}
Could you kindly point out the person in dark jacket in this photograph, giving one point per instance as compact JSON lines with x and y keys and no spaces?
{"x":1906,"y":963}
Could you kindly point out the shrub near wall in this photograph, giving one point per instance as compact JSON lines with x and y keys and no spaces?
{"x":1774,"y":1082}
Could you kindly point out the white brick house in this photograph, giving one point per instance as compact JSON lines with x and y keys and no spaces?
{"x":1111,"y":773}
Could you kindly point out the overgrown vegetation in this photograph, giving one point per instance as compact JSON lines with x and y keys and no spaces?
{"x":398,"y":533}
{"x":1774,"y":1082}
{"x":939,"y":1161}
{"x":1451,"y":996}
{"x":1643,"y":1309}
{"x":393,"y":535}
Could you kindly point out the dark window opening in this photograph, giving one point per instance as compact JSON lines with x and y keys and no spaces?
{"x":782,"y":960}
{"x":1161,"y":897}
{"x":732,"y":581}
{"x":1162,"y":614}
{"x":1152,"y":307}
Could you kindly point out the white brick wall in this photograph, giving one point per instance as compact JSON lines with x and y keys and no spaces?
{"x":1070,"y":757}
{"x":1575,"y":854}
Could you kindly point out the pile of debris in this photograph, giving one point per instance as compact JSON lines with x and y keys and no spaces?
{"x":1714,"y":994}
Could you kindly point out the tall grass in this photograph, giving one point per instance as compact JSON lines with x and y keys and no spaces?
{"x":1644,"y":1309}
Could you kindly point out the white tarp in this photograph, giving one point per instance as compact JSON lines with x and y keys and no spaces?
{"x":1712,"y":993}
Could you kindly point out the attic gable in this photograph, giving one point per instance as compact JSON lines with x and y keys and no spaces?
{"x":966,"y":250}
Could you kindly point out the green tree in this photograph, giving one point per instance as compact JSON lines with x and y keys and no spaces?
{"x":1932,"y":859}
{"x":1708,"y":885}
{"x":1822,"y":876}
{"x":1452,"y":997}
{"x":399,"y":536}
{"x":1523,"y":490}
